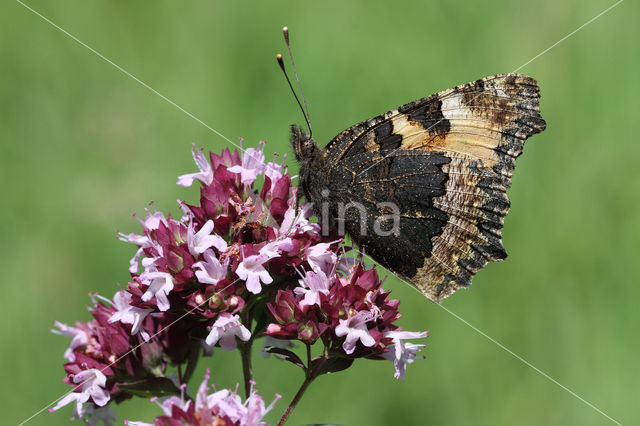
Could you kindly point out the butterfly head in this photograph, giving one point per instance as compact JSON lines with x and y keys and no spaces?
{"x":303,"y":146}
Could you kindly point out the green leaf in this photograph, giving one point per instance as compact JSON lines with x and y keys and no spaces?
{"x":153,"y":386}
{"x":332,"y":365}
{"x":286,"y":354}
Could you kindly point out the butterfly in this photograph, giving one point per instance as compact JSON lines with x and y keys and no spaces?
{"x":422,"y":188}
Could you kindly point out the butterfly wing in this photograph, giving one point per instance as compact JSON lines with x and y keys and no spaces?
{"x":445,"y":163}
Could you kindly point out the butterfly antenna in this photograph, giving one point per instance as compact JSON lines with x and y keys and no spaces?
{"x":305,"y":110}
{"x":285,"y":32}
{"x":281,"y":63}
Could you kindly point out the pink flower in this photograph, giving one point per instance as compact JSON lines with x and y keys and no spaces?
{"x":128,"y":314}
{"x":252,"y":164}
{"x":78,"y":336}
{"x":275,"y":248}
{"x":210,"y":271}
{"x":169,"y":403}
{"x":256,"y":409}
{"x":274,"y":171}
{"x":223,"y":407}
{"x":313,"y":285}
{"x":160,"y":284}
{"x":403,"y":353}
{"x":225,"y":330}
{"x":253,"y":273}
{"x":321,"y":258}
{"x":153,"y":220}
{"x":202,"y":240}
{"x":295,"y":220}
{"x":355,"y":328}
{"x":142,"y":242}
{"x":92,"y":383}
{"x":206,"y":173}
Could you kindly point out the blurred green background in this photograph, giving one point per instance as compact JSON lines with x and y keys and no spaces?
{"x":83,"y":146}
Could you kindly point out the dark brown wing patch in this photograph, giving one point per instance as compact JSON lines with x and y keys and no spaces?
{"x":411,"y":180}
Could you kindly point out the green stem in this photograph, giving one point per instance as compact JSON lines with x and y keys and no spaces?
{"x":310,"y":375}
{"x":296,"y":399}
{"x":245,"y":353}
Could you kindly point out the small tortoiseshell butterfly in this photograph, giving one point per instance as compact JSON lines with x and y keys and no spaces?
{"x":445,"y":162}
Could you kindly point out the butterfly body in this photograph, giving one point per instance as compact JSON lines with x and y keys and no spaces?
{"x":422,"y":188}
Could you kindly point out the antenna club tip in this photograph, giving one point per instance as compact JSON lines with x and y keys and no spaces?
{"x":285,"y":29}
{"x":279,"y":57}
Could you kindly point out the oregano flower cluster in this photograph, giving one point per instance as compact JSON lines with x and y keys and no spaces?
{"x":246,"y":262}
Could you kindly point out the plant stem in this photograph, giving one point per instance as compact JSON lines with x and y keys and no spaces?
{"x":296,"y":399}
{"x":245,"y":352}
{"x":310,"y":375}
{"x":180,"y":379}
{"x":192,"y":361}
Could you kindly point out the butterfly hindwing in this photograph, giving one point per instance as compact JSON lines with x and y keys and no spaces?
{"x":445,"y":162}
